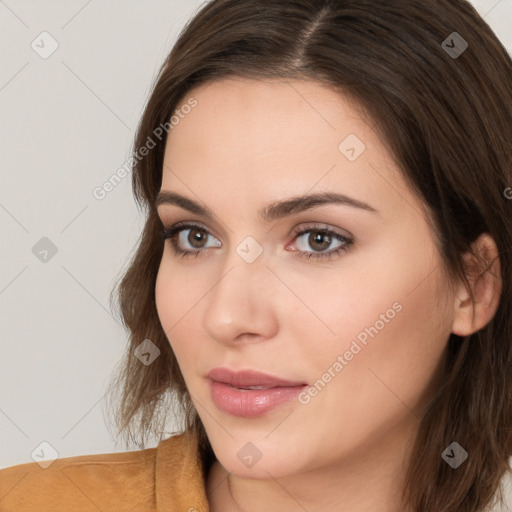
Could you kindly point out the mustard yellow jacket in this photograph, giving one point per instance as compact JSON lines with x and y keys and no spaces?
{"x":167,"y":478}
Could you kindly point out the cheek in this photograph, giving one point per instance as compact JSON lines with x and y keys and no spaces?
{"x":164,"y":298}
{"x":387,"y":312}
{"x":175,"y":297}
{"x":177,"y":290}
{"x":181,"y":295}
{"x":391,"y":333}
{"x":383,"y":380}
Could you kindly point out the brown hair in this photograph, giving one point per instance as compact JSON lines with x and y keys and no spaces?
{"x":447,"y":120}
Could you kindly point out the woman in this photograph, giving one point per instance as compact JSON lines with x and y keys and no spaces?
{"x":324,"y":279}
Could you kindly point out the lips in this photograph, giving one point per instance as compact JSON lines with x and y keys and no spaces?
{"x":250,"y":379}
{"x":250,"y":394}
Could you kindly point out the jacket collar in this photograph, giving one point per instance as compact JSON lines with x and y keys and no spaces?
{"x":179,"y":481}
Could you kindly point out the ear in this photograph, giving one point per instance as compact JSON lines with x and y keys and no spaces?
{"x":484,"y":276}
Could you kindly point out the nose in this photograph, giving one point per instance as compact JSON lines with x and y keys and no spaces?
{"x":241,"y":306}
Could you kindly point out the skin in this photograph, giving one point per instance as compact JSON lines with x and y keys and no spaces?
{"x":247,"y":144}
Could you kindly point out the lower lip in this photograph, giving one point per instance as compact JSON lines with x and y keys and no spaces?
{"x":250,"y":403}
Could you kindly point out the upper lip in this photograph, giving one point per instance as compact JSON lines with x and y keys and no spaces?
{"x":245,"y":378}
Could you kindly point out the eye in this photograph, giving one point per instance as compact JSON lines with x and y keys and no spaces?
{"x":196,"y":236}
{"x":193,"y":236}
{"x":320,"y":239}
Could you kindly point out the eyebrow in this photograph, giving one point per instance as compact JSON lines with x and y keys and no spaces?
{"x":273,"y":211}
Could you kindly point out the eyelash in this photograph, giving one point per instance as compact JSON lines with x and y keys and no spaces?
{"x":172,"y":232}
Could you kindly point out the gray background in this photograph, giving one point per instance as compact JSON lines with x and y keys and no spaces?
{"x":67,"y":125}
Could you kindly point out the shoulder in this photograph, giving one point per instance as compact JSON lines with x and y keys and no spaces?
{"x":109,"y":481}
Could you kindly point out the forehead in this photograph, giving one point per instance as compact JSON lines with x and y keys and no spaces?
{"x":270,"y":112}
{"x":278,"y":138}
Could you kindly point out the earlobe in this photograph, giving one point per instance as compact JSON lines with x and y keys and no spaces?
{"x":483,"y":273}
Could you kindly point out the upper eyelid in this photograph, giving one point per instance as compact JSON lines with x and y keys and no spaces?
{"x":184,"y":224}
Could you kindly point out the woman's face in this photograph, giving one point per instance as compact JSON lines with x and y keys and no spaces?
{"x":362,"y":319}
